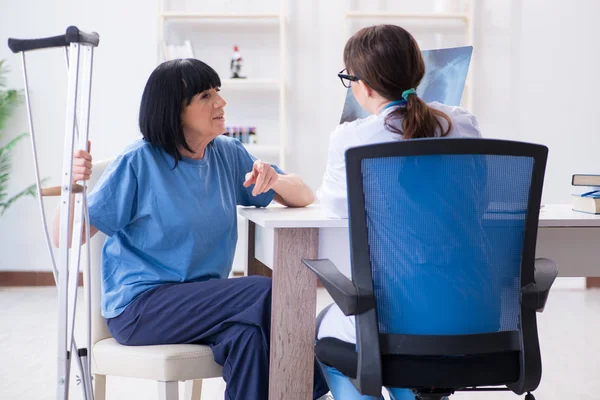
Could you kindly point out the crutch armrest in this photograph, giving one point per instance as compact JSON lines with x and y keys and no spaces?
{"x":74,"y":35}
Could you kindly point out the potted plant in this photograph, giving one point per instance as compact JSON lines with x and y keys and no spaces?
{"x":9,"y":99}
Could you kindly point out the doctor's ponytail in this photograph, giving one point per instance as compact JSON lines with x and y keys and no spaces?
{"x":419,"y":120}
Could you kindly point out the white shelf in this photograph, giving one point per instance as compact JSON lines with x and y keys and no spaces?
{"x":262,"y":149}
{"x":467,"y":17}
{"x":177,"y":24}
{"x":447,"y":16}
{"x":250,"y":84}
{"x":187,"y":15}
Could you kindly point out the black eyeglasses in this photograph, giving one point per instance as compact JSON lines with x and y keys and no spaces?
{"x":347,"y":79}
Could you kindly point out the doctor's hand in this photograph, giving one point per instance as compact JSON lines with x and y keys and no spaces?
{"x":263,"y":176}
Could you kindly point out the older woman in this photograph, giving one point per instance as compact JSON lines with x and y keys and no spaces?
{"x":168,"y":206}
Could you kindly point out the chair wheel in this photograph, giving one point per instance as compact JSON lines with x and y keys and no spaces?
{"x":529,"y":397}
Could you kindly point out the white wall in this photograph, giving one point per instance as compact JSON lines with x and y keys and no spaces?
{"x":537,"y":80}
{"x":534,"y":80}
{"x":123,"y":62}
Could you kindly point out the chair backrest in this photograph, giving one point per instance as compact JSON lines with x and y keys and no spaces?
{"x":443,"y":233}
{"x":99,"y":329}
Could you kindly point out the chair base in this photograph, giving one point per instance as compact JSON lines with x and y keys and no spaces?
{"x":433,"y":394}
{"x":440,"y":394}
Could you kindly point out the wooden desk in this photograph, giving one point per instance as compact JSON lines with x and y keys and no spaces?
{"x":570,"y":238}
{"x":280,"y":237}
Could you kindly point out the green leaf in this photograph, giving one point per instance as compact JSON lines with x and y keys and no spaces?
{"x":3,"y":70}
{"x":9,"y":99}
{"x":4,"y":172}
{"x":29,"y":191}
{"x":5,"y":168}
{"x":12,"y":143}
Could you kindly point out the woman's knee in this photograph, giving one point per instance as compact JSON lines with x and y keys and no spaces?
{"x":250,"y":337}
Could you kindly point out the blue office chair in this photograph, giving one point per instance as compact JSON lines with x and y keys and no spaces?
{"x":445,"y":285}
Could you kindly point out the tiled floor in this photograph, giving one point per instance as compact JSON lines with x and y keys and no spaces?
{"x":569,"y":333}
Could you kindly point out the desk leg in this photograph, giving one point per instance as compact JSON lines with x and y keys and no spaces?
{"x":293,"y":315}
{"x":255,"y":267}
{"x":251,"y":248}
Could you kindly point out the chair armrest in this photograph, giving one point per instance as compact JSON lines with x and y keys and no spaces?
{"x":350,"y":300}
{"x":536,"y":293}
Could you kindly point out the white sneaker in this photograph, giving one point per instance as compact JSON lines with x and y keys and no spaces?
{"x":326,"y":396}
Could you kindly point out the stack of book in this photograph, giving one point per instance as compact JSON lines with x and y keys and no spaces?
{"x":245,"y":134}
{"x":588,"y":202}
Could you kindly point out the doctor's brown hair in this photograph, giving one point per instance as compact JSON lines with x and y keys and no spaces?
{"x":388,"y":60}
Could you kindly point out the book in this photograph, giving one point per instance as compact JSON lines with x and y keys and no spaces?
{"x":585,"y":180}
{"x":444,"y":81}
{"x":587,"y":203}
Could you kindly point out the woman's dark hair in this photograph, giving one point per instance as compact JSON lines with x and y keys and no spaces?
{"x":388,"y":59}
{"x":171,"y":86}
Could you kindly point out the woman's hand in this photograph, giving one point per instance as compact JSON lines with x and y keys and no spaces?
{"x":82,"y":170}
{"x":263,"y":176}
{"x":82,"y":165}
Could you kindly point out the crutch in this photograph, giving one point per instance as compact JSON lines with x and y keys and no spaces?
{"x":79,"y":55}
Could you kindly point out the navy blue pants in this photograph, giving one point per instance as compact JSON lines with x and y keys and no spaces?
{"x":232,"y":316}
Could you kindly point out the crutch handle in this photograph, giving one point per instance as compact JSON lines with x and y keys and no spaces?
{"x":57,"y":190}
{"x":73,"y":35}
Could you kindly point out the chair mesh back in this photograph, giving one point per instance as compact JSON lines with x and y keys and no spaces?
{"x":445,"y":237}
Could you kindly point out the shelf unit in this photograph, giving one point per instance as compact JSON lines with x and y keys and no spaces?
{"x":375,"y":14}
{"x":253,"y":84}
{"x":262,"y":149}
{"x":277,"y":152}
{"x":191,"y":15}
{"x":466,"y":17}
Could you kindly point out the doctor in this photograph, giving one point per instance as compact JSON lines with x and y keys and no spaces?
{"x":383,"y":67}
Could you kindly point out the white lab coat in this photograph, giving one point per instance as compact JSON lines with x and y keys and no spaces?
{"x":371,"y":130}
{"x":333,"y":196}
